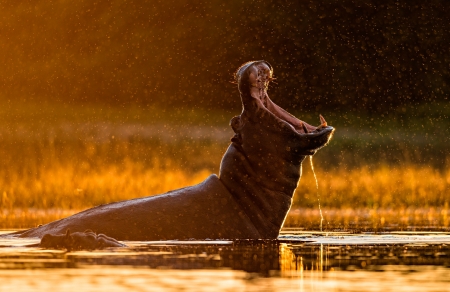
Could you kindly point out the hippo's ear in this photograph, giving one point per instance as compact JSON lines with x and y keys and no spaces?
{"x":68,"y":238}
{"x":237,"y":124}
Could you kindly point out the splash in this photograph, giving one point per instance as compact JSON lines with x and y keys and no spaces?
{"x":318,"y":194}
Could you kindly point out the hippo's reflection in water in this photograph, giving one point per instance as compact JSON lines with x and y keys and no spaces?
{"x":255,"y":256}
{"x":252,"y":265}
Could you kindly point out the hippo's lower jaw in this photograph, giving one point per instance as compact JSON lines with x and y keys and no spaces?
{"x":317,"y":139}
{"x":251,"y":197}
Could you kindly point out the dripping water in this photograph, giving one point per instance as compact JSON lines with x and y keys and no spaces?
{"x":318,"y":194}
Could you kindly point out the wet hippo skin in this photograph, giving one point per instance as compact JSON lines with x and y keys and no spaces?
{"x":249,"y":199}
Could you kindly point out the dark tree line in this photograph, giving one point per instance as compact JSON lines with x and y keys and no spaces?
{"x":373,"y":55}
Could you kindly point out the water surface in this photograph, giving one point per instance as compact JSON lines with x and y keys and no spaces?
{"x":297,"y":261}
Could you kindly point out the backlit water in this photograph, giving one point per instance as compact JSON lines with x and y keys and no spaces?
{"x":318,"y":194}
{"x":297,"y":261}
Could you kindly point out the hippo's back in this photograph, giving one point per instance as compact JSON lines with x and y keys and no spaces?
{"x":206,"y":210}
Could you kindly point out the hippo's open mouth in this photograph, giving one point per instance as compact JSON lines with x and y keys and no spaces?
{"x":259,"y":76}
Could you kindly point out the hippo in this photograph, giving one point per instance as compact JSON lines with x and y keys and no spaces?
{"x":249,"y":199}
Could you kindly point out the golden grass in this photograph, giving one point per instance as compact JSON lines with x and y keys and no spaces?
{"x":380,"y":186}
{"x":66,"y":188}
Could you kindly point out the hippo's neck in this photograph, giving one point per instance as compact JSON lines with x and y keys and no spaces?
{"x":261,"y":168}
{"x":265,"y":196}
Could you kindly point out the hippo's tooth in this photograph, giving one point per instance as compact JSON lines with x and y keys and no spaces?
{"x":304,"y":128}
{"x":322,"y":121}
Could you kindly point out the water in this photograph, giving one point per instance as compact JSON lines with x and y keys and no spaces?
{"x":318,"y":194}
{"x":297,"y":261}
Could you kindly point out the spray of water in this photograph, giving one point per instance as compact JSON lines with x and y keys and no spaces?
{"x":318,"y":194}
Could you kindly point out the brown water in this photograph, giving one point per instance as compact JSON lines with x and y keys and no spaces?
{"x":297,"y":261}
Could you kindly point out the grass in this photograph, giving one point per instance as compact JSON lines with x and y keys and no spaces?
{"x":58,"y":159}
{"x":380,"y":187}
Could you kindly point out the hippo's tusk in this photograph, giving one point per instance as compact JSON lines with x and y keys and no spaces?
{"x":322,"y":121}
{"x":304,"y":128}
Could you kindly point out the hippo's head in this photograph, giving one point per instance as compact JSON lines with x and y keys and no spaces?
{"x":301,"y":138}
{"x":262,"y":166}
